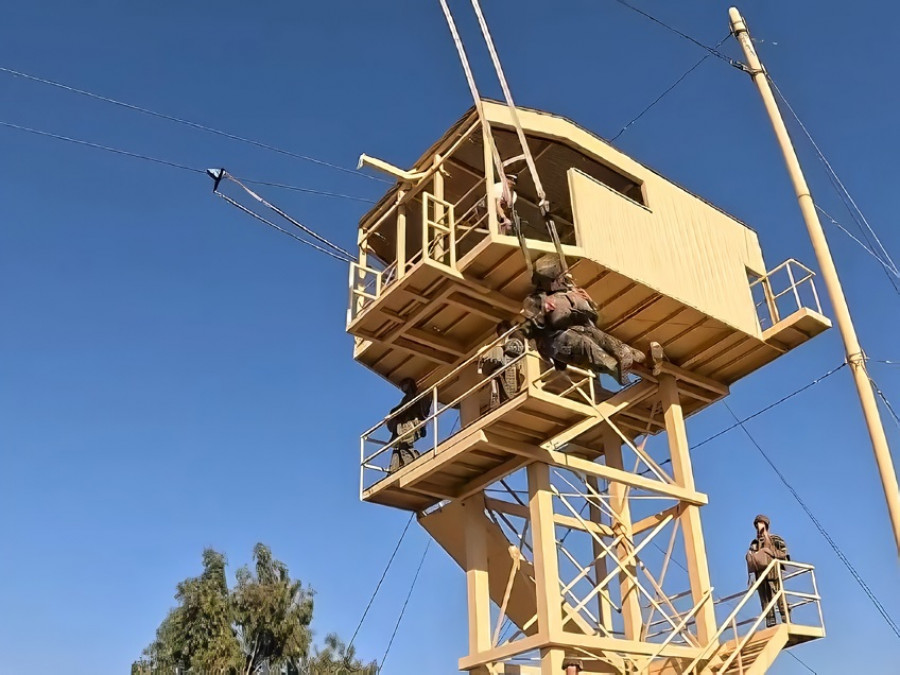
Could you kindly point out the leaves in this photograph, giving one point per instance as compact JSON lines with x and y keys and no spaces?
{"x":262,"y":625}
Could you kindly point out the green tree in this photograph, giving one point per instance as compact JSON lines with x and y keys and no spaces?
{"x":337,"y":658}
{"x":272,"y":614}
{"x":262,"y":625}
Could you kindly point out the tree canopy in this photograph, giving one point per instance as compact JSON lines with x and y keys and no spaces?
{"x":260,"y":626}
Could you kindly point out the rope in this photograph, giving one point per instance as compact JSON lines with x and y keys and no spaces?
{"x":473,"y":90}
{"x":403,"y":608}
{"x":281,"y":229}
{"x":543,"y":203}
{"x":186,"y":122}
{"x":284,"y":215}
{"x":712,"y":51}
{"x":834,"y":547}
{"x":887,"y":404}
{"x":668,"y":90}
{"x":381,"y":580}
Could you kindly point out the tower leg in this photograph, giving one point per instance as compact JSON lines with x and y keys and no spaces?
{"x":694,"y":549}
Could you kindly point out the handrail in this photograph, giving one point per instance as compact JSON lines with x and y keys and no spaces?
{"x":770,"y":298}
{"x":453,"y":373}
{"x":447,"y":406}
{"x":714,"y":640}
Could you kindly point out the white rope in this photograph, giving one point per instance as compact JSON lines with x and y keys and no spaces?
{"x":543,"y":203}
{"x":476,"y":97}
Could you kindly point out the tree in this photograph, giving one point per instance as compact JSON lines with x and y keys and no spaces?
{"x":272,"y":614}
{"x":262,"y":625}
{"x":337,"y":658}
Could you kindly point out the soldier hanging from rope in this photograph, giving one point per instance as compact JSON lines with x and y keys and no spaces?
{"x":498,"y":358}
{"x":405,"y":424}
{"x":562,"y":320}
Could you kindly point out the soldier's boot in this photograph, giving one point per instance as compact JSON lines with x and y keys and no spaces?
{"x":656,"y":358}
{"x":395,"y":461}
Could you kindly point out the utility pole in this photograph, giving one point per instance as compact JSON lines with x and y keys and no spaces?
{"x":854,"y":352}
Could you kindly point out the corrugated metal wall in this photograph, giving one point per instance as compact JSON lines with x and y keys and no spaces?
{"x":678,"y":245}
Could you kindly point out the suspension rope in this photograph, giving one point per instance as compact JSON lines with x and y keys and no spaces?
{"x":186,"y":122}
{"x":476,"y":97}
{"x":403,"y":608}
{"x":667,"y":90}
{"x":818,"y":525}
{"x":381,"y":580}
{"x":218,"y":176}
{"x":543,"y":203}
{"x":275,"y":226}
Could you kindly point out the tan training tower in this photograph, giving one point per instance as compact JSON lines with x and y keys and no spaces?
{"x":568,"y":512}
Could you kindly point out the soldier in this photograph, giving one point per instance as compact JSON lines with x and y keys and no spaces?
{"x":508,"y":382}
{"x":405,"y":424}
{"x":763,"y":549}
{"x":505,"y":200}
{"x":562,"y":319}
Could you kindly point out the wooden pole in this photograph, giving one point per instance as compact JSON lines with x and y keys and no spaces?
{"x":854,"y":352}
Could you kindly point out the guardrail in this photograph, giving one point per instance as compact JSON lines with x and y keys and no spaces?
{"x":444,"y":420}
{"x":784,"y":290}
{"x":739,"y":626}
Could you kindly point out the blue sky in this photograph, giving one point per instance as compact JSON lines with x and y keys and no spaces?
{"x":175,"y":376}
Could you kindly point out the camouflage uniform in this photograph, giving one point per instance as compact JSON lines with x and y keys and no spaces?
{"x":508,"y":382}
{"x":403,"y":423}
{"x":763,"y":549}
{"x":562,"y":319}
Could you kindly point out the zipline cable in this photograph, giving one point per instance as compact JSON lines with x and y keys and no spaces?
{"x":712,"y":51}
{"x":887,"y":267}
{"x":668,"y":90}
{"x":315,"y":235}
{"x":890,"y":267}
{"x":186,"y":122}
{"x":275,"y":226}
{"x":381,"y":580}
{"x":403,"y":608}
{"x":818,"y":525}
{"x":169,"y":163}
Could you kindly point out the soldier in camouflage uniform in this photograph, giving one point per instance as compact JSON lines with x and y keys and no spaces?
{"x":562,"y":320}
{"x":403,"y":423}
{"x":509,"y":380}
{"x":763,"y":549}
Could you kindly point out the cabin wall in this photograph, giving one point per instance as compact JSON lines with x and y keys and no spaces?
{"x":678,"y":245}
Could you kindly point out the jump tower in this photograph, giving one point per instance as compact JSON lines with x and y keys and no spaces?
{"x":571,"y":506}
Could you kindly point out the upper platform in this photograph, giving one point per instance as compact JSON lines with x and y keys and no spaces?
{"x":435,"y":274}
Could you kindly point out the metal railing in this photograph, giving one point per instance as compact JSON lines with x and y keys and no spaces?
{"x":736,"y":630}
{"x":444,"y":421}
{"x":784,"y":290}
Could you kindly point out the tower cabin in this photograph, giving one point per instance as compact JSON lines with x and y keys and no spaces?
{"x":434,"y":278}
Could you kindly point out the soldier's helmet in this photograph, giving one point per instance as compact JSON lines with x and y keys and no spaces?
{"x":761,"y":519}
{"x":547,"y":272}
{"x":408,"y":385}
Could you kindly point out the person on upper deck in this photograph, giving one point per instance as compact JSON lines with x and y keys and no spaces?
{"x":405,"y":424}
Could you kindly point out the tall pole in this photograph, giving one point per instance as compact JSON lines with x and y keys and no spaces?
{"x":855,"y":356}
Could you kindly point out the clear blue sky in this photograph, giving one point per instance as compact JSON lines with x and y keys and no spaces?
{"x":175,"y":376}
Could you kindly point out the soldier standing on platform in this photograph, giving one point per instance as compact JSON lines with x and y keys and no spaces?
{"x":509,"y":379}
{"x":764,"y":549}
{"x":405,"y":424}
